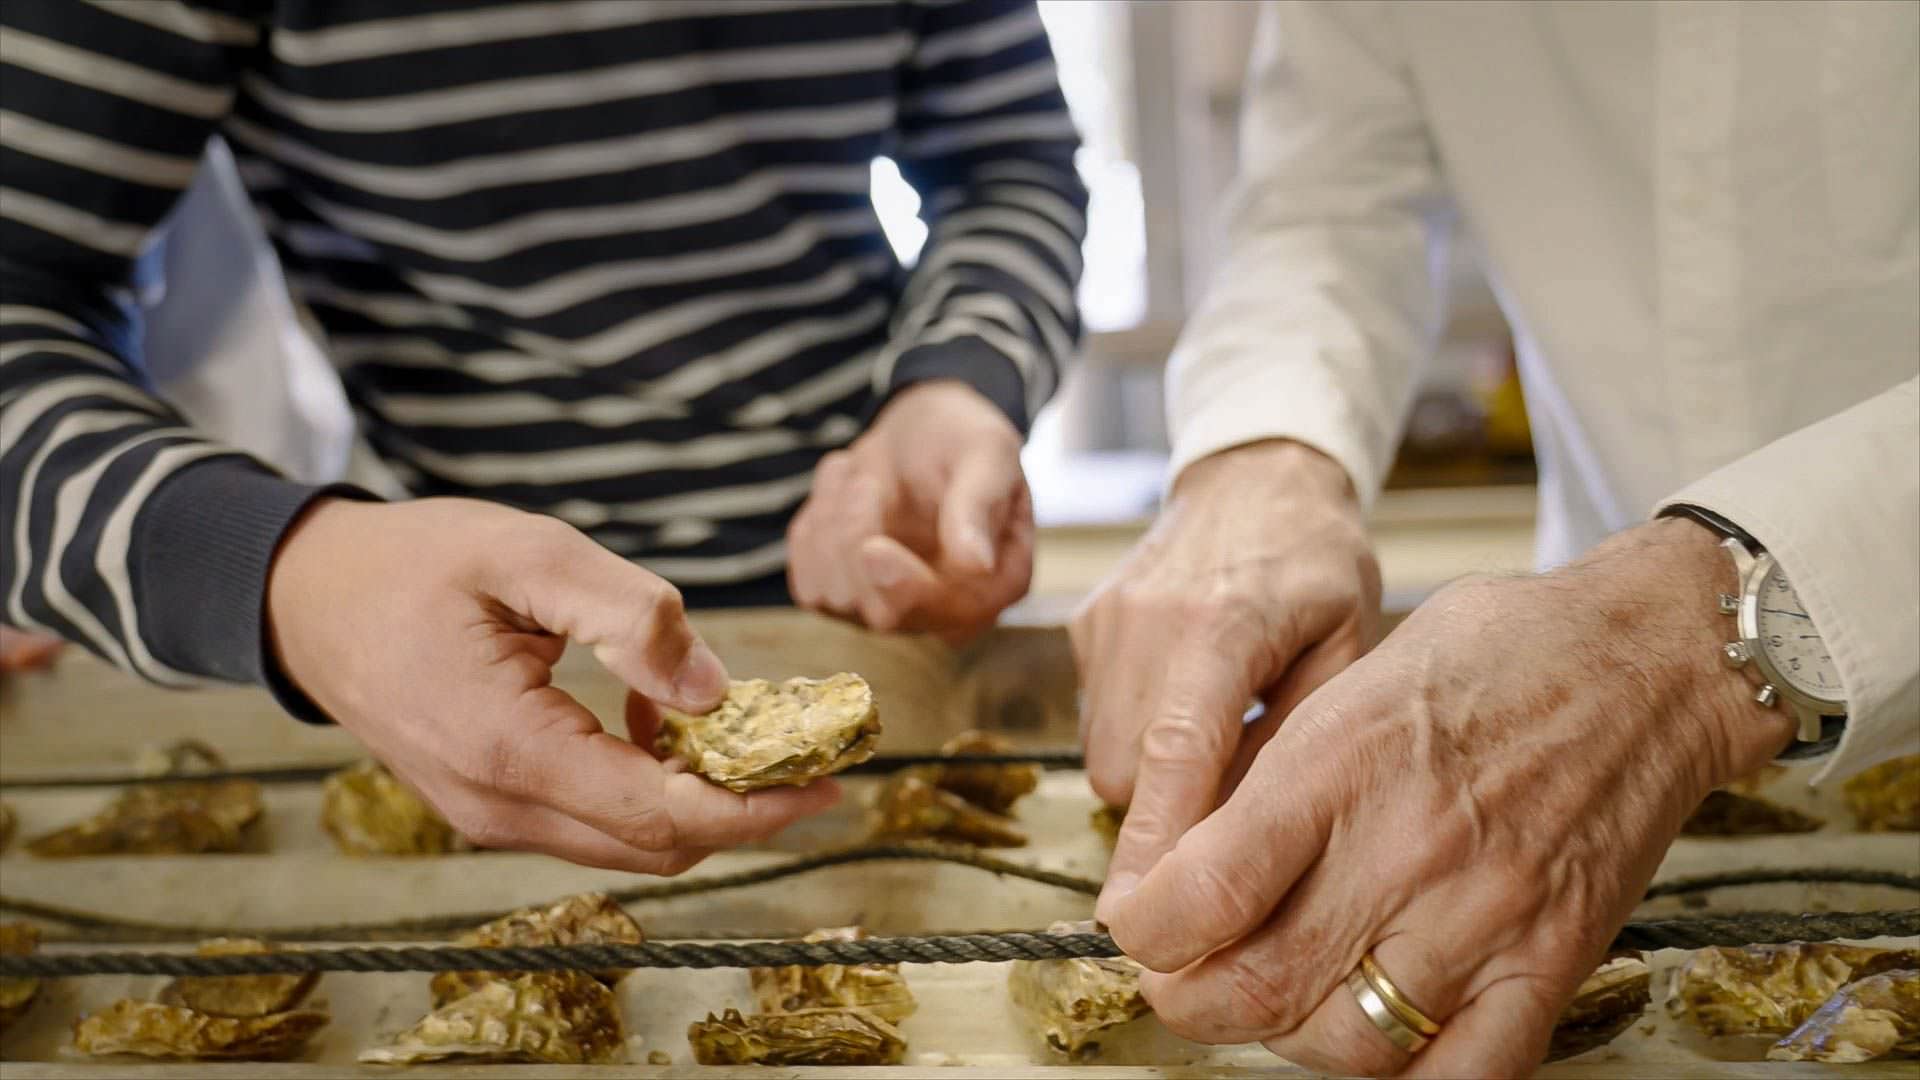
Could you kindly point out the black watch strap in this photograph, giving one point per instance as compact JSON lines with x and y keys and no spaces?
{"x":1831,"y":727}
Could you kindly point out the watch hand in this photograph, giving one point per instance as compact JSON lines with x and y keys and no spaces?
{"x":1777,"y":611}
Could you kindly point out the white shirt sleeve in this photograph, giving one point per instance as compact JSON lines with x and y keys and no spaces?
{"x":1316,"y":323}
{"x":1837,"y":503}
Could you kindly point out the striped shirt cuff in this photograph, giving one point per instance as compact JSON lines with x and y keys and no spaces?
{"x":969,"y":360}
{"x":204,"y":543}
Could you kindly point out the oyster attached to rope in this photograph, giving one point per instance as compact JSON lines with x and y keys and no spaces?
{"x":1886,"y":798}
{"x":852,"y":1036}
{"x":16,"y":995}
{"x":1770,"y":989}
{"x":908,"y":806}
{"x":181,"y":818}
{"x":1878,"y":1016}
{"x":240,"y":1017}
{"x":1070,"y":1002}
{"x":766,"y":734}
{"x":581,"y":919}
{"x":368,"y":811}
{"x":1727,"y":813}
{"x":554,"y":1018}
{"x":238,"y":995}
{"x":994,"y":788}
{"x":878,"y":988}
{"x":1607,"y":1003}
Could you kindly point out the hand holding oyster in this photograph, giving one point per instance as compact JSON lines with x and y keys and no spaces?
{"x":766,"y":734}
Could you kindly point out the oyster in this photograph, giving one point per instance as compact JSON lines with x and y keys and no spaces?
{"x":1878,"y":1016}
{"x":153,"y":1029}
{"x":555,"y":1018}
{"x":16,"y":995}
{"x":181,"y":818}
{"x":238,"y":995}
{"x":765,"y":734}
{"x":1106,"y":821}
{"x":1725,"y":813}
{"x":808,"y":1037}
{"x":1069,"y":1002}
{"x":1607,"y":1003}
{"x":582,"y":919}
{"x":994,"y":788}
{"x":1770,"y":989}
{"x":878,"y":988}
{"x":1886,"y":798}
{"x":368,"y":811}
{"x":907,"y":806}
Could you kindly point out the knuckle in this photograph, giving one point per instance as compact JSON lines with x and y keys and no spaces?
{"x":1258,"y":1002}
{"x":1176,"y":744}
{"x":651,"y":828}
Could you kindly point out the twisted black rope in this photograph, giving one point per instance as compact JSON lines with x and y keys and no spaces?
{"x":1751,"y":928}
{"x":1823,"y":875}
{"x":304,"y":774}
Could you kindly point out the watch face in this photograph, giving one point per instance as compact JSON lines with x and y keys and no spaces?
{"x":1791,"y":644}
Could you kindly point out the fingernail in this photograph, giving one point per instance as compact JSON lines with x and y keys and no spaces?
{"x":978,"y":550}
{"x":1118,"y":888}
{"x":702,"y":678}
{"x":885,"y":572}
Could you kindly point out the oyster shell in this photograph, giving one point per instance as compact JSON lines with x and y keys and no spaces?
{"x":16,"y":995}
{"x":1069,"y":1002}
{"x":765,"y":733}
{"x":1886,"y":798}
{"x":238,"y":995}
{"x":555,"y":1018}
{"x":1770,"y":989}
{"x":908,"y":806}
{"x":994,"y":788}
{"x":1607,"y":1003}
{"x":1727,"y":813}
{"x":368,"y":811}
{"x":1878,"y":1016}
{"x":581,"y":919}
{"x":878,"y":988}
{"x":183,"y":818}
{"x":153,"y":1029}
{"x":809,"y":1037}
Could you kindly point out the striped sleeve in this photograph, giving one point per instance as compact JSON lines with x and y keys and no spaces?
{"x":124,"y":529}
{"x":986,"y":140}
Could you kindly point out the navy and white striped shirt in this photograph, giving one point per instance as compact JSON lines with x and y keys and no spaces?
{"x":610,"y":260}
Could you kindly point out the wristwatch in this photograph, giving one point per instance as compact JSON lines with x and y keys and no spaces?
{"x":1776,"y":637}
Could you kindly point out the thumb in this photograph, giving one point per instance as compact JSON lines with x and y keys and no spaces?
{"x":976,"y":506}
{"x":635,"y":622}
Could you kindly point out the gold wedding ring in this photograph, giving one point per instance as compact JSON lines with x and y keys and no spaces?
{"x":1391,"y":1012}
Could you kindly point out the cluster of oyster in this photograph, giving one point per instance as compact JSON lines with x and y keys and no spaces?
{"x":833,"y":1014}
{"x":237,"y":1017}
{"x":542,"y":1017}
{"x":963,"y":802}
{"x":1828,"y":1003}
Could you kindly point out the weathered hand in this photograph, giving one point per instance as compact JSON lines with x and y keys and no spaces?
{"x":924,"y":523}
{"x":430,"y":629}
{"x":1481,"y":801}
{"x":1257,"y":581}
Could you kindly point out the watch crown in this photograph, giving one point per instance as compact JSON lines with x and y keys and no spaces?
{"x":1729,"y":604}
{"x":1766,"y":695}
{"x":1735,"y":653}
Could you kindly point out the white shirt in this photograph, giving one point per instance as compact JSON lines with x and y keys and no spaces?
{"x":1703,"y":223}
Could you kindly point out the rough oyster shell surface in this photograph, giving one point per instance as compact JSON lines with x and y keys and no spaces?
{"x":181,"y":818}
{"x":1878,"y":1016}
{"x":368,"y":811}
{"x":907,"y":805}
{"x":766,"y":734}
{"x":1770,"y":989}
{"x":994,"y":788}
{"x":555,"y":1018}
{"x":878,"y":988}
{"x":154,"y":1029}
{"x":1607,"y":1003}
{"x":1886,"y":798}
{"x":16,"y":995}
{"x":851,"y":1036}
{"x":1728,"y":813}
{"x":581,"y":919}
{"x":238,"y":996}
{"x":1070,"y":1002}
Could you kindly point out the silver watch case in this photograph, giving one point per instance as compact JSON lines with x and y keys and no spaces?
{"x":1752,"y":570}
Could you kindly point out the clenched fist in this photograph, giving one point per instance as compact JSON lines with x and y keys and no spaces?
{"x":430,"y":629}
{"x":923,"y":523}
